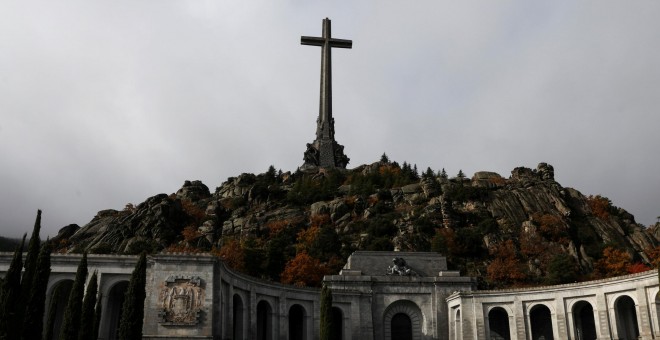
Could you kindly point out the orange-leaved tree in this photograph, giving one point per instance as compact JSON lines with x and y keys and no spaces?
{"x":304,"y":270}
{"x":232,"y":254}
{"x":613,"y":263}
{"x":506,"y":268}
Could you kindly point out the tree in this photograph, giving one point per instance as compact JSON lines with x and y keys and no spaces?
{"x":460,"y":174}
{"x":232,"y":255}
{"x":71,"y":323}
{"x":30,"y":267}
{"x":326,"y":314}
{"x":443,"y":174}
{"x":428,"y":174}
{"x":304,"y":270}
{"x":9,"y":293}
{"x":384,"y":158}
{"x":614,"y":262}
{"x":52,"y":313}
{"x":562,"y":269}
{"x":506,"y":268}
{"x":97,"y":317}
{"x":87,"y":318}
{"x":35,"y":306}
{"x":130,"y":324}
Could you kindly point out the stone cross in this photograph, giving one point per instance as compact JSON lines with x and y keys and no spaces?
{"x":325,"y":151}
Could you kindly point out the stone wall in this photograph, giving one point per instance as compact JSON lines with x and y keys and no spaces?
{"x":193,"y":296}
{"x":617,"y":308}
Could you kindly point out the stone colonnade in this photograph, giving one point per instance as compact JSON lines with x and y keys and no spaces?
{"x":195,"y":296}
{"x":625,"y":307}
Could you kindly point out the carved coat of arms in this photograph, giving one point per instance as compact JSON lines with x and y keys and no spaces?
{"x":181,"y":300}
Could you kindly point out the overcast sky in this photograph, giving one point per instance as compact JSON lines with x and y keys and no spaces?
{"x":104,"y":103}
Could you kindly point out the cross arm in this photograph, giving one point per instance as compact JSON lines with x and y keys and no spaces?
{"x":313,"y":41}
{"x":318,"y":41}
{"x":341,"y":43}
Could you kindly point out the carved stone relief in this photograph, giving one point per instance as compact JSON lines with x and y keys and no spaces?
{"x":181,"y":300}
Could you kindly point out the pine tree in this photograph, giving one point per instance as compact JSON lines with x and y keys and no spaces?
{"x":9,"y":294}
{"x":71,"y":323}
{"x":87,"y":319}
{"x":97,"y":317}
{"x":34,"y":310}
{"x":52,"y":313}
{"x":130,"y":325}
{"x":428,"y":174}
{"x":384,"y":158}
{"x":326,"y":313}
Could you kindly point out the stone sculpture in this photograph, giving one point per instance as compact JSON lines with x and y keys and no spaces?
{"x":400,"y":267}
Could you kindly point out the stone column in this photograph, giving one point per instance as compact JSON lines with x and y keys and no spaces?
{"x":601,"y":317}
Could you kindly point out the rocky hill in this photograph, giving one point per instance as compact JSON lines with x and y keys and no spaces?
{"x":522,"y":230}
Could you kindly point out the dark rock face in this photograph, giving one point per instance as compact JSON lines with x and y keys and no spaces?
{"x":478,"y":213}
{"x":193,"y":191}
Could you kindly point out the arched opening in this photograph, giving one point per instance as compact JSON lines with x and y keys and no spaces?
{"x":297,"y":323}
{"x":541,"y":322}
{"x":498,"y":323}
{"x":626,"y":318}
{"x":113,"y":309}
{"x":238,"y":317}
{"x":401,"y":327}
{"x":413,"y":314}
{"x":458,"y":331}
{"x":62,"y":289}
{"x":583,"y":319}
{"x":264,"y":321}
{"x":337,"y":331}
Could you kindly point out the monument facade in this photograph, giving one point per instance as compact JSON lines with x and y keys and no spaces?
{"x":378,"y":295}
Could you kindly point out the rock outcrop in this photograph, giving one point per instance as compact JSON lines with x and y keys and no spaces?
{"x":378,"y":206}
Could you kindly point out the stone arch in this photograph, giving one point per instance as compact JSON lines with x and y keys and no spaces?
{"x":63,"y":288}
{"x":338,"y":323}
{"x":297,"y":324}
{"x":238,"y":317}
{"x":113,"y":302}
{"x":458,"y":329}
{"x":402,"y":309}
{"x":583,"y":321}
{"x":498,"y":324}
{"x":264,"y":320}
{"x":626,"y":318}
{"x":540,"y":319}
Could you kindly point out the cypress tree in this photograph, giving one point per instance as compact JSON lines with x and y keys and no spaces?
{"x":52,"y":313}
{"x":87,"y":318}
{"x":34,"y":310}
{"x":130,"y":325}
{"x":326,"y":313}
{"x":11,"y":290}
{"x":71,"y":323}
{"x":97,"y":317}
{"x":31,"y":260}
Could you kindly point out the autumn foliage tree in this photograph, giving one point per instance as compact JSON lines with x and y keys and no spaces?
{"x":232,"y":254}
{"x":304,"y":270}
{"x":613,"y":263}
{"x":506,"y":268}
{"x":600,"y":206}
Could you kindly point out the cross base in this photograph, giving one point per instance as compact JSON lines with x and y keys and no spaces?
{"x":325,"y":153}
